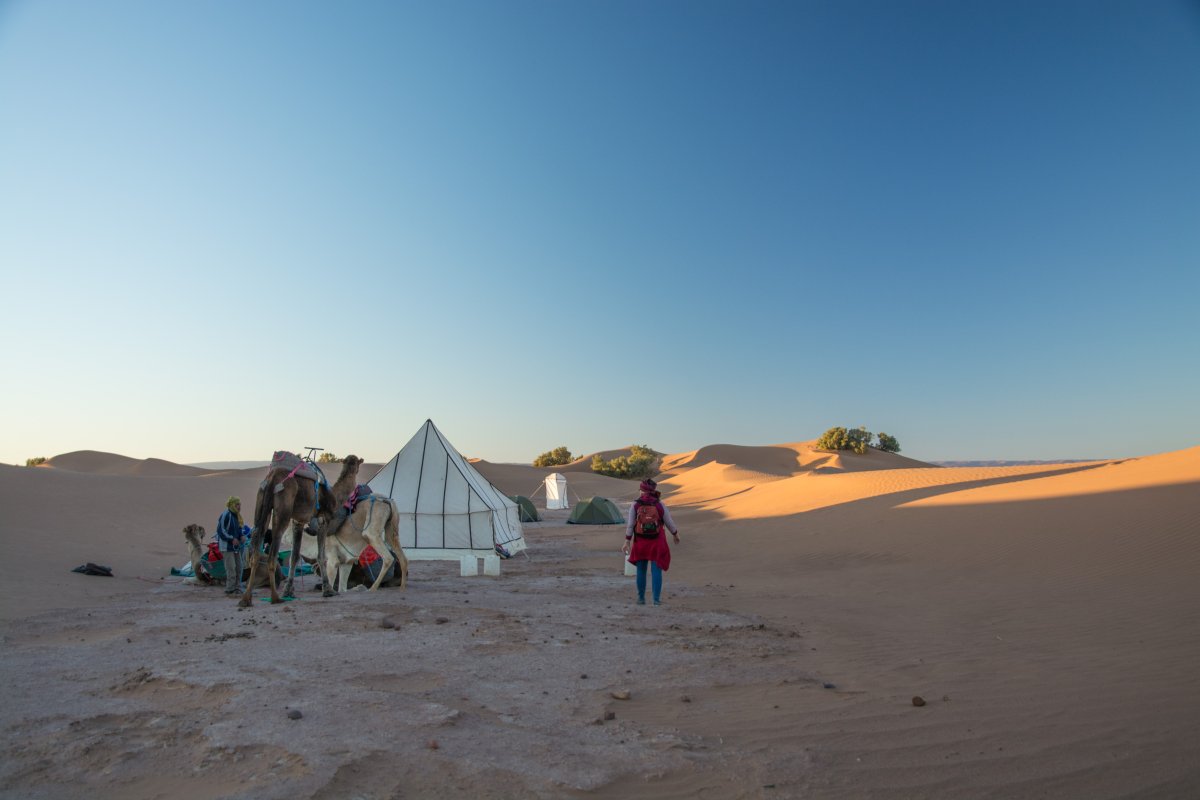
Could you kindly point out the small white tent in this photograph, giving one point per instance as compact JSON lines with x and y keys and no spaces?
{"x":556,"y":491}
{"x":447,"y":509}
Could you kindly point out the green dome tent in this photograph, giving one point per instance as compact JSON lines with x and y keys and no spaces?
{"x":596,"y":511}
{"x":526,"y":508}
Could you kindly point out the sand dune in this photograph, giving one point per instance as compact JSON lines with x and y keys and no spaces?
{"x":99,"y":463}
{"x":1047,"y":613}
{"x":785,"y":460}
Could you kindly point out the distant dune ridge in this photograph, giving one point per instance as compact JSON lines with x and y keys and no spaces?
{"x":224,"y":465}
{"x":1046,"y":614}
{"x":110,"y":464}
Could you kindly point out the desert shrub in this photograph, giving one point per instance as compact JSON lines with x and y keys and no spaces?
{"x":832,"y":439}
{"x":856,"y":439}
{"x":557,"y":456}
{"x":33,"y":462}
{"x":860,"y":439}
{"x":327,"y":458}
{"x":888,"y":444}
{"x":638,"y":464}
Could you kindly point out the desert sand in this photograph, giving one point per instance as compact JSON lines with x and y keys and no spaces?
{"x":1047,"y":615}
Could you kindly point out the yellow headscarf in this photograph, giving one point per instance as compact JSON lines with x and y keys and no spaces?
{"x":230,"y":503}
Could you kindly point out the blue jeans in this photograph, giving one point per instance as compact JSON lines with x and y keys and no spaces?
{"x":655,"y":579}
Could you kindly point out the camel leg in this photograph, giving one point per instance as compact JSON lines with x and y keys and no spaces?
{"x":403,"y":559}
{"x":297,"y":541}
{"x":256,"y":540}
{"x":248,"y":595}
{"x":273,"y":568}
{"x":330,"y":580}
{"x":376,"y":540}
{"x":264,"y":511}
{"x":386,"y":555}
{"x":391,"y":532}
{"x":273,"y":555}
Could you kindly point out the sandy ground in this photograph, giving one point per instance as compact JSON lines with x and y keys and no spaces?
{"x":1047,"y":615}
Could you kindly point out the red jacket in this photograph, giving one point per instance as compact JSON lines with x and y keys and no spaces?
{"x":655,"y":549}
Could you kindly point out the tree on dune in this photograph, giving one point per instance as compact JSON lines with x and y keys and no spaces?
{"x":888,"y":444}
{"x":638,"y":464}
{"x":856,"y":439}
{"x":34,"y":462}
{"x":553,"y":458}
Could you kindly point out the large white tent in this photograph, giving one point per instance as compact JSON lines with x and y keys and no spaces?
{"x":556,"y":491}
{"x":447,"y":509}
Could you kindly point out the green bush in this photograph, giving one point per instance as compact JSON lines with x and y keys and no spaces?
{"x":33,"y":462}
{"x":640,"y":463}
{"x":888,"y":444}
{"x":557,"y":456}
{"x":327,"y":458}
{"x":833,"y":439}
{"x":856,"y":439}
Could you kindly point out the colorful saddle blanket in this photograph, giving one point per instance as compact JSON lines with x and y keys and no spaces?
{"x":360,"y":493}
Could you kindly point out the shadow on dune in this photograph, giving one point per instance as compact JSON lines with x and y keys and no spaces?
{"x":770,"y":460}
{"x":881,"y":501}
{"x":1143,"y":539}
{"x":895,"y":499}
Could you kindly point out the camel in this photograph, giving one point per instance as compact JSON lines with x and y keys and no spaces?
{"x":288,"y":502}
{"x":375,"y":522}
{"x":194,"y":534}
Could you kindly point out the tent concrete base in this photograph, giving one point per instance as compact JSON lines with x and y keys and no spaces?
{"x":468,"y":559}
{"x":432,"y":554}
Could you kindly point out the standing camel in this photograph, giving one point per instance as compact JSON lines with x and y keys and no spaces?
{"x":375,"y":522}
{"x":288,"y":501}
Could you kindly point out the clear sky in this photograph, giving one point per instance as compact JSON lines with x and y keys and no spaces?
{"x":232,"y":227}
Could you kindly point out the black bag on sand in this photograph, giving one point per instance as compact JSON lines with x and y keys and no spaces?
{"x":94,"y":569}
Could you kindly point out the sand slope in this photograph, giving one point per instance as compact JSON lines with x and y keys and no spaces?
{"x":1049,"y":614}
{"x":1054,"y":606}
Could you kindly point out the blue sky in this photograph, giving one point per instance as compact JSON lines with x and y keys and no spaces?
{"x":228,"y":228}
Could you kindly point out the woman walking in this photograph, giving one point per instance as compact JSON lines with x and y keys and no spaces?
{"x":645,"y":542}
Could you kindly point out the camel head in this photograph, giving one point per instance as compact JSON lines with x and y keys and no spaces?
{"x":345,"y":483}
{"x":194,"y":534}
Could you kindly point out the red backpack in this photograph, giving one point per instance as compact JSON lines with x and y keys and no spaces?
{"x":647,"y":520}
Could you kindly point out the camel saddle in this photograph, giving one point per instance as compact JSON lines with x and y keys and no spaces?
{"x":295,"y":465}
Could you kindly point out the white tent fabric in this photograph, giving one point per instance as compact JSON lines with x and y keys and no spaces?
{"x":447,"y":509}
{"x":556,"y":491}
